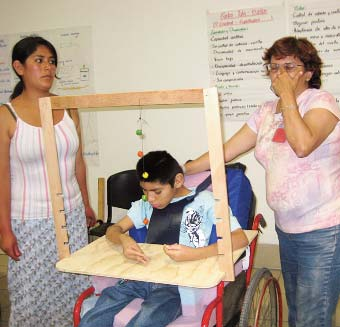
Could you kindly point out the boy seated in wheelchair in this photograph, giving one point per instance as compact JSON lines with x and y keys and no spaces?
{"x":179,"y":218}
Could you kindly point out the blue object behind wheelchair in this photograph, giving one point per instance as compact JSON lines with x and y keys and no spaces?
{"x":240,"y":197}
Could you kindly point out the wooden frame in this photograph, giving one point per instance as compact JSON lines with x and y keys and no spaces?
{"x":204,"y":97}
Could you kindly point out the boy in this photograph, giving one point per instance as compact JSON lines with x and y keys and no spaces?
{"x":175,"y":216}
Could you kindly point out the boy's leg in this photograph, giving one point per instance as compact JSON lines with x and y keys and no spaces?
{"x":162,"y":306}
{"x":112,"y":300}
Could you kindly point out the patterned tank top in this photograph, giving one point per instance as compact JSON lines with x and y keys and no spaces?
{"x":30,"y":194}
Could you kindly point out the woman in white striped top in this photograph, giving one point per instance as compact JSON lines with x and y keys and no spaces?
{"x":39,"y":294}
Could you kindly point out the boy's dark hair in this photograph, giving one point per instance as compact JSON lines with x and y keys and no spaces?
{"x":158,"y":166}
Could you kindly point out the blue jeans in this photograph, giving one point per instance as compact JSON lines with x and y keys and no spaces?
{"x":310,"y":264}
{"x":161,"y":305}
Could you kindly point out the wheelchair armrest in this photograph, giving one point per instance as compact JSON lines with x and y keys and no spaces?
{"x":98,"y":284}
{"x":100,"y":230}
{"x":258,"y":221}
{"x":77,"y":307}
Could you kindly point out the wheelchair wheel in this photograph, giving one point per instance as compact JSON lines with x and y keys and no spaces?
{"x":260,"y":305}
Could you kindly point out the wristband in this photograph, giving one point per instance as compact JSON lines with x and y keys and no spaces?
{"x":289,"y":107}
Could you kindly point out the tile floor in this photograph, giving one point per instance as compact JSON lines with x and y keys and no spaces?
{"x":267,"y":255}
{"x":4,"y":302}
{"x":265,"y":252}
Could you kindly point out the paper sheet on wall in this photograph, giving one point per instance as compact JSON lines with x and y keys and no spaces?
{"x":5,"y":68}
{"x":319,"y":22}
{"x":75,"y":72}
{"x":237,"y":40}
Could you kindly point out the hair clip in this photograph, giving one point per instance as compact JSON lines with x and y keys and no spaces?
{"x":145,"y":175}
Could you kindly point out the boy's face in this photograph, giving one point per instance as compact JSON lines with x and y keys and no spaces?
{"x":160,"y":195}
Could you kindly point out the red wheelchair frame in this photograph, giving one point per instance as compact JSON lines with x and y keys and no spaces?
{"x":270,"y":285}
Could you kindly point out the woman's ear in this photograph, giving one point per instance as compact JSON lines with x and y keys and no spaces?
{"x":179,"y":180}
{"x":308,"y":75}
{"x":18,"y":67}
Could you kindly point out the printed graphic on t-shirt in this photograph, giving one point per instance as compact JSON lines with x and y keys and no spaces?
{"x":193,"y":221}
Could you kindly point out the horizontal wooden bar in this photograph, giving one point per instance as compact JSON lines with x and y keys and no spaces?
{"x":166,"y":97}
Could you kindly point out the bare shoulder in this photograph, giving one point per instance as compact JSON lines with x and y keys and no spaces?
{"x":6,"y":116}
{"x":7,"y":123}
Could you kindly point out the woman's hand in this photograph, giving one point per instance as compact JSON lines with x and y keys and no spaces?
{"x":132,"y":251}
{"x":284,"y":83}
{"x":178,"y":252}
{"x":9,"y":244}
{"x":90,"y":216}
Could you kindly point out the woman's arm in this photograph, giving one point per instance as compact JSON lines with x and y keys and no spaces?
{"x":180,"y":252}
{"x":81,"y":174}
{"x":239,"y":143}
{"x":304,"y":134}
{"x":8,"y":241}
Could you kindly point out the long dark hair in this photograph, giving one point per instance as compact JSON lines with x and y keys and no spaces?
{"x":300,"y":48}
{"x":22,"y":50}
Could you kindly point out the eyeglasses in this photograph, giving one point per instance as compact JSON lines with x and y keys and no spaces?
{"x":288,"y":67}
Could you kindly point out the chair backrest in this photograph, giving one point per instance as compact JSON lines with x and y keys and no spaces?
{"x":122,"y":189}
{"x":241,"y":198}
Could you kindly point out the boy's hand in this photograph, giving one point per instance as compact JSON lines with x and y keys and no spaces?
{"x":178,"y":252}
{"x":132,"y":250}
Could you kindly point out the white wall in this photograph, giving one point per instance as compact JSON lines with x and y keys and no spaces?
{"x":137,"y":46}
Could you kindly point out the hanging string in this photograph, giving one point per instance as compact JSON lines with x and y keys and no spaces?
{"x":140,"y":133}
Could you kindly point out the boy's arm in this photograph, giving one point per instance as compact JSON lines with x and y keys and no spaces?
{"x":117,"y":235}
{"x":239,"y":239}
{"x":180,"y":252}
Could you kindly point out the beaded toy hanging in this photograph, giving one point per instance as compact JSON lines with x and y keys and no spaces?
{"x":139,"y":132}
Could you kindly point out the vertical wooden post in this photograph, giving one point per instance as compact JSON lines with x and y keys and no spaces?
{"x":101,"y":198}
{"x":52,"y":164}
{"x":217,"y":166}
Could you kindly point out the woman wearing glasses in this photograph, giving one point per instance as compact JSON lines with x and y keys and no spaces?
{"x":296,"y":138}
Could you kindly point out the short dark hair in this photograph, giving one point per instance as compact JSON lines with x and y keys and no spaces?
{"x":300,"y":48}
{"x":158,"y":166}
{"x":22,"y":50}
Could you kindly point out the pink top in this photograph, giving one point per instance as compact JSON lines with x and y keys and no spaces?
{"x":303,"y":192}
{"x":30,"y":195}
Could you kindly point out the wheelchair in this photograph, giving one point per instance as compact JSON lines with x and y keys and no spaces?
{"x":258,"y":301}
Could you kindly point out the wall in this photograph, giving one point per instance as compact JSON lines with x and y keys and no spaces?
{"x":137,"y":46}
